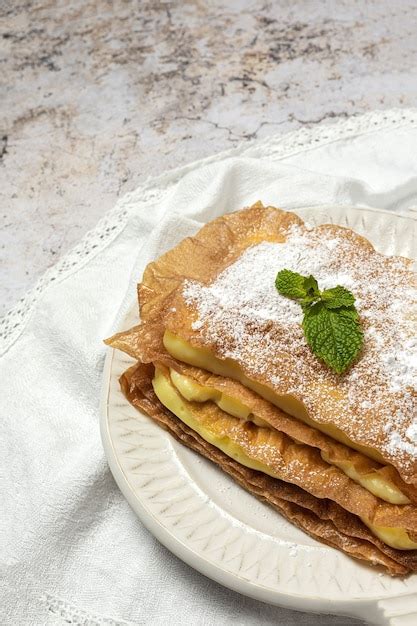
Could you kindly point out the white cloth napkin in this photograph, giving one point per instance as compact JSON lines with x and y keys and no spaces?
{"x":72,"y":551}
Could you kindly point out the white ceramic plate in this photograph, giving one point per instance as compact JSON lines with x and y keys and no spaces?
{"x":212,"y":524}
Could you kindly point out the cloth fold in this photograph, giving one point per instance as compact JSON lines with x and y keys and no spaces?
{"x":72,"y":550}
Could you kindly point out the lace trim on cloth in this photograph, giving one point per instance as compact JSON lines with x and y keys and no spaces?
{"x":63,"y":613}
{"x":112,"y":224}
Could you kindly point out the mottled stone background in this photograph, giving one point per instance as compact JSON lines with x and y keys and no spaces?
{"x":96,"y":96}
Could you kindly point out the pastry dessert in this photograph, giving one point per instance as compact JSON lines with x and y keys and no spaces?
{"x":224,"y":364}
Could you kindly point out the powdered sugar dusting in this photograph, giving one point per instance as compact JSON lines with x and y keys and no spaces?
{"x":246,"y":319}
{"x":247,"y":286}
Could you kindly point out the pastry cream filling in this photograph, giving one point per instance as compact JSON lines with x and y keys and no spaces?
{"x":395,"y":537}
{"x":201,"y":357}
{"x":378,"y":485}
{"x":195,"y":392}
{"x":172,"y":400}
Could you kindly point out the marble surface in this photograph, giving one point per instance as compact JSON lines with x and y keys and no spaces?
{"x":98,"y":95}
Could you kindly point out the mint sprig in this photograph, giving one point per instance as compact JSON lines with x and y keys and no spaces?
{"x":331,"y":322}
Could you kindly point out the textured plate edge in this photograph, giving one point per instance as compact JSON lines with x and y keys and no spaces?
{"x":366,"y":609}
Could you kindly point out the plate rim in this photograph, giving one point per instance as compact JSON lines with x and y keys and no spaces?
{"x":364,"y":608}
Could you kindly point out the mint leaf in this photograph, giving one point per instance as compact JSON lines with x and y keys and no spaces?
{"x":311,"y":286}
{"x":347,"y":311}
{"x":337,"y":297}
{"x":290,"y":284}
{"x":331,"y":322}
{"x":334,"y":335}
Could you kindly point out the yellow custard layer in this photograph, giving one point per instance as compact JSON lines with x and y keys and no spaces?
{"x":200,"y":357}
{"x":195,"y":392}
{"x":173,"y":400}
